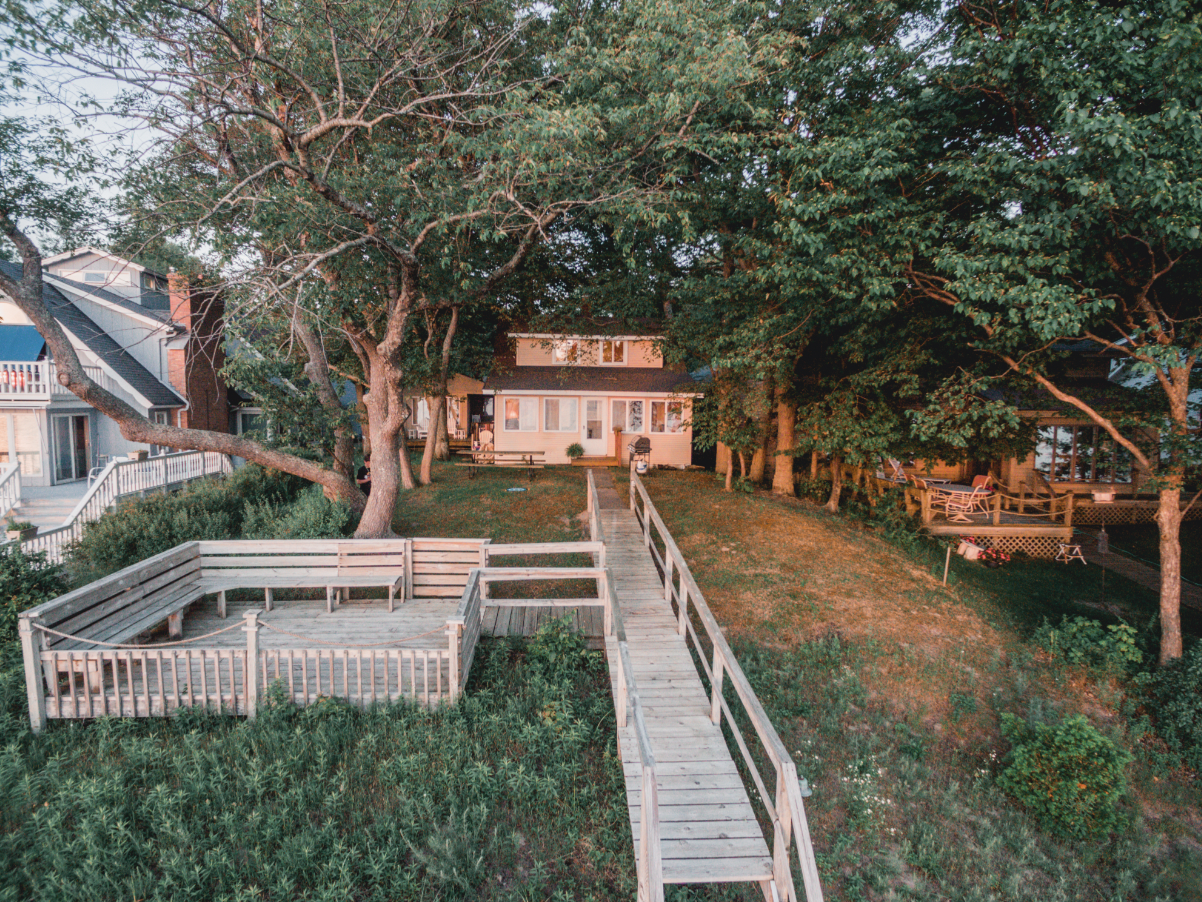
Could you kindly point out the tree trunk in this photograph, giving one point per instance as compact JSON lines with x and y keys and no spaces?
{"x":442,"y":446}
{"x":361,"y":411}
{"x":742,"y":465}
{"x":786,"y":437}
{"x":730,"y":471}
{"x":760,"y":458}
{"x":385,"y":418}
{"x":1168,"y":518}
{"x":408,"y":482}
{"x":438,"y":403}
{"x":832,"y":504}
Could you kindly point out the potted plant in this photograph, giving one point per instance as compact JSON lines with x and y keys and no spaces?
{"x":575,"y":450}
{"x":138,"y":454}
{"x":20,"y":530}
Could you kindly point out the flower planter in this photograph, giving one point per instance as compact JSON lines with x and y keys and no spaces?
{"x":969,"y":551}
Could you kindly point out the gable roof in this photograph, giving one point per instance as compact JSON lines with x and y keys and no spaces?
{"x":156,"y":305}
{"x":100,"y":343}
{"x":612,"y":379}
{"x":83,"y":251}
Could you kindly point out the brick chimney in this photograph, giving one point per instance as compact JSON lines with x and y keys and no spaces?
{"x":194,"y":370}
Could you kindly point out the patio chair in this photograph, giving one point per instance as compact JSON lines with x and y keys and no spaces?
{"x":939,"y":499}
{"x":896,"y":473}
{"x":961,"y":504}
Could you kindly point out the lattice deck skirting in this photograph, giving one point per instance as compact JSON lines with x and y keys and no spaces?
{"x":1088,"y":514}
{"x":1044,"y":546}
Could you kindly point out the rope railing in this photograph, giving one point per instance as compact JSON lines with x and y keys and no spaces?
{"x":133,"y":645}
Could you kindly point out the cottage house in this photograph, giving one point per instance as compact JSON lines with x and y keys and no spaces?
{"x":144,"y":336}
{"x":601,"y":391}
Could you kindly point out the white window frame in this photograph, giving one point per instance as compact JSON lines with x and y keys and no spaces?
{"x":664,"y":418}
{"x":93,"y":277}
{"x":626,"y":426}
{"x":561,"y":401}
{"x":567,"y":351}
{"x":521,"y":402}
{"x":610,"y":344}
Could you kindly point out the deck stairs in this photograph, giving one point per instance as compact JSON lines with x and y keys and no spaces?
{"x":708,"y":830}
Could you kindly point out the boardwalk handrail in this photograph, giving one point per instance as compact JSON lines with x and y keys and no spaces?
{"x":650,"y":864}
{"x":120,"y":478}
{"x":10,"y":488}
{"x":785,"y":807}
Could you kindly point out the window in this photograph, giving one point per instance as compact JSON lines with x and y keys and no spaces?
{"x":613,"y":353}
{"x":521,"y":415}
{"x":567,"y":351}
{"x":628,"y":415}
{"x":559,"y":415}
{"x":667,"y":416}
{"x":1081,"y":454}
{"x":98,"y":278}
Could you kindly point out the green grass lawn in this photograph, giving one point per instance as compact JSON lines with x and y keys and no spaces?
{"x":889,"y":687}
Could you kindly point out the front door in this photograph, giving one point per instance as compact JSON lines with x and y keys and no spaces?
{"x":72,"y":451}
{"x":594,"y":439}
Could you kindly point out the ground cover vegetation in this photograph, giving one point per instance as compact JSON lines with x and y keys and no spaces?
{"x":1008,"y":736}
{"x":516,"y":793}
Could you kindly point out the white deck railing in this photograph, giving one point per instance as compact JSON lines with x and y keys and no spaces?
{"x":10,"y":488}
{"x":785,"y":806}
{"x":38,"y":380}
{"x":119,"y":479}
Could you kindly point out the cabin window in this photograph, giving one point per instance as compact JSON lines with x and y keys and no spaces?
{"x":521,"y":414}
{"x":566,"y":351}
{"x":667,"y":416}
{"x":1081,"y":454}
{"x":613,"y":353}
{"x":628,"y":415}
{"x":559,"y":415}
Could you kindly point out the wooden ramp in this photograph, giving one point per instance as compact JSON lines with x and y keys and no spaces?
{"x":708,"y":830}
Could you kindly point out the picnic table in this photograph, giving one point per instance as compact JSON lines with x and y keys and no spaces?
{"x":528,"y":460}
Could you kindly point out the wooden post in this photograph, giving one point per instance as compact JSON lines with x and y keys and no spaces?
{"x":652,"y":868}
{"x":221,"y":604}
{"x":175,"y":625}
{"x":621,"y":692}
{"x":603,"y":589}
{"x":925,"y":497}
{"x":251,"y":673}
{"x":1068,"y":509}
{"x":31,"y":646}
{"x":454,"y":636}
{"x":633,"y":477}
{"x":682,"y":624}
{"x":668,"y":576}
{"x":408,"y":588}
{"x":716,"y":699}
{"x":780,"y":835}
{"x":997,"y":509}
{"x":947,"y":564}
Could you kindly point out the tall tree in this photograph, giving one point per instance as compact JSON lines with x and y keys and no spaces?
{"x":395,"y":160}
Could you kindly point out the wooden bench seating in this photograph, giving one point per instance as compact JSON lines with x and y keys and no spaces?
{"x":301,"y":564}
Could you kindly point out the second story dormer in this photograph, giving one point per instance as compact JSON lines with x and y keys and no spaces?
{"x":548,"y":349}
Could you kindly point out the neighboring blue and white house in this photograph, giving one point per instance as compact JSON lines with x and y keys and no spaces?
{"x":142,"y":335}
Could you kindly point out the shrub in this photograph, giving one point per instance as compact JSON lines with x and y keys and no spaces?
{"x":1068,"y":774}
{"x":25,"y":582}
{"x":1172,"y":696}
{"x":575,"y":450}
{"x":1080,"y":640}
{"x":209,"y":509}
{"x":311,"y":516}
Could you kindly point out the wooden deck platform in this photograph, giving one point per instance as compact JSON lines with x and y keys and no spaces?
{"x":709,"y":831}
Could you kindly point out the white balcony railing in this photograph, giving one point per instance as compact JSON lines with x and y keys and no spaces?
{"x":38,"y":380}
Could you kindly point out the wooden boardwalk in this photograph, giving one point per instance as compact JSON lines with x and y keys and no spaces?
{"x":709,"y":831}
